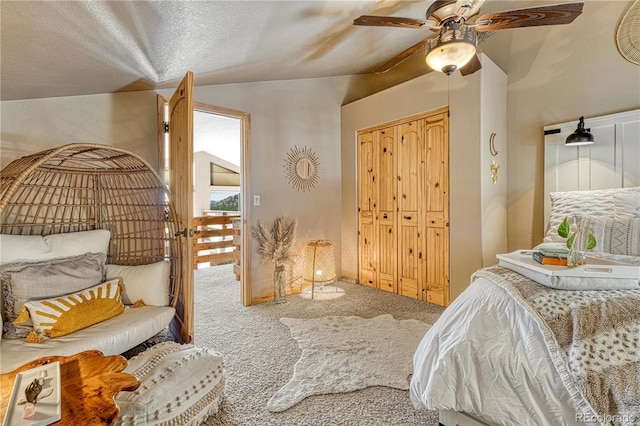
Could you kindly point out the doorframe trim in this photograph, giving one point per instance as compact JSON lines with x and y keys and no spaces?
{"x":245,"y":182}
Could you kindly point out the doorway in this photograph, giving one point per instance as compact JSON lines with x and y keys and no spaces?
{"x":221,"y":142}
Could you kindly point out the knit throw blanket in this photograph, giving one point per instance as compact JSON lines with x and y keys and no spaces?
{"x":593,"y":338}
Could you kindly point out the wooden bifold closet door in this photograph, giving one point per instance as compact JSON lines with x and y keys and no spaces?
{"x":403,"y":207}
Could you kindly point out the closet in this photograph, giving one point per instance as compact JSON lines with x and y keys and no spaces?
{"x":403,"y":207}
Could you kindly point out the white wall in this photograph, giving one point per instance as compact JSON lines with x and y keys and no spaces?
{"x":283,"y":114}
{"x":125,"y":120}
{"x":422,"y":94}
{"x":493,"y":101}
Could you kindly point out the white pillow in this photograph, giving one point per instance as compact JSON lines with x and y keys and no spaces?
{"x":569,"y":203}
{"x":627,"y":203}
{"x":147,"y":282}
{"x":76,"y":243}
{"x":615,"y":236}
{"x":23,"y":247}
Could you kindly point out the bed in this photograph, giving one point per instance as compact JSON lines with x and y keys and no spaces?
{"x":510,"y":351}
{"x":86,"y":222}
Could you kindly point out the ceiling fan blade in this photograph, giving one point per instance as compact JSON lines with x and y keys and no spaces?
{"x":472,"y":66}
{"x":534,"y":16}
{"x":392,"y":21}
{"x":396,"y":60}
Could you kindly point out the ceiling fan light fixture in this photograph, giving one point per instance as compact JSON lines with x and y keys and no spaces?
{"x":452,"y":49}
{"x":449,"y":57}
{"x":581,"y":136}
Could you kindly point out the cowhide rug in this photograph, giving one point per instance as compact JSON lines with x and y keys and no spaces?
{"x":347,"y":353}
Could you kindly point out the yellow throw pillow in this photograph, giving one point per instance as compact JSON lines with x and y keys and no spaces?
{"x":63,"y":315}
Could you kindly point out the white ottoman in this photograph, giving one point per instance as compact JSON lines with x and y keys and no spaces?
{"x":179,"y":385}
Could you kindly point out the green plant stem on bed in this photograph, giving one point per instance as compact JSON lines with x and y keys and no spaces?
{"x":564,"y":230}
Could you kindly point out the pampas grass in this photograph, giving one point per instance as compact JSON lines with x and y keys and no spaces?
{"x":276,"y":243}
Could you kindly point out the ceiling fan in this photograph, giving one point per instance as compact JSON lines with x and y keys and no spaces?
{"x":459,"y":30}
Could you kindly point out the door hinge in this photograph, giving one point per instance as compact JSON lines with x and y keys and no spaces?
{"x":166,"y":126}
{"x":187,"y":232}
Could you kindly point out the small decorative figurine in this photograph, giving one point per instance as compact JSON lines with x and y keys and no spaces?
{"x":494,"y":171}
{"x":31,"y":393}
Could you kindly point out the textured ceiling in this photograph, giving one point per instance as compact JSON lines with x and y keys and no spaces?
{"x":66,"y":48}
{"x":62,"y":48}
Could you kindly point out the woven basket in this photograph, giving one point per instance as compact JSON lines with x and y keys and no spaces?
{"x":82,"y":187}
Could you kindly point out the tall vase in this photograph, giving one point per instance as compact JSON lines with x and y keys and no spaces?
{"x":280,"y":284}
{"x":577,"y":252}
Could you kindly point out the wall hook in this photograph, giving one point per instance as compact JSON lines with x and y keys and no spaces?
{"x":492,"y":146}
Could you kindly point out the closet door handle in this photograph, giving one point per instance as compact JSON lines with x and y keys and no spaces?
{"x":385,"y":216}
{"x":408,"y":217}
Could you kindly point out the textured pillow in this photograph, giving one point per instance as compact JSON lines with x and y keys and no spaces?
{"x":63,"y":315}
{"x":23,"y":247}
{"x":147,"y":282}
{"x":22,"y":281}
{"x":569,"y":203}
{"x":76,"y":243}
{"x":614,"y":236}
{"x":627,"y":203}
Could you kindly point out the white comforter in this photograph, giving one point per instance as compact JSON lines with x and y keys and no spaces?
{"x":485,"y":357}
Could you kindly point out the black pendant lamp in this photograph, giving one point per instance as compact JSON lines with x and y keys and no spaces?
{"x":581,"y":136}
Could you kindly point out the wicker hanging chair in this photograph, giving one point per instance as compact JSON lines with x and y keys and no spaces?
{"x":82,"y":187}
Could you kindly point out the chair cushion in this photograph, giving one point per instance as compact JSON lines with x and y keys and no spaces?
{"x":149,"y":283}
{"x":23,"y":281}
{"x":111,"y":337}
{"x":179,"y":384}
{"x":75,"y":243}
{"x":22,"y":247}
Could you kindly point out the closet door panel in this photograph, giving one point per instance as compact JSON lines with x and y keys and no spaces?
{"x":368,"y":249}
{"x":436,"y":282}
{"x":410,"y":149}
{"x":387,"y":181}
{"x":436,"y":180}
{"x":387,"y":206}
{"x":410,"y":201}
{"x":366,"y":172}
{"x":435,"y":260}
{"x":367,"y":241}
{"x":409,"y":262}
{"x":387,"y":238}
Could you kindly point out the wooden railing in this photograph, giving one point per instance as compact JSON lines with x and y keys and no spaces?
{"x":215,"y":242}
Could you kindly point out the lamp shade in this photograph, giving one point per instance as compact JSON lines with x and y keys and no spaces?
{"x":581,"y":136}
{"x":452,"y":48}
{"x":319,"y":264}
{"x":451,"y":56}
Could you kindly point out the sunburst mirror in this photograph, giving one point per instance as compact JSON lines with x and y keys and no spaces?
{"x":301,"y":167}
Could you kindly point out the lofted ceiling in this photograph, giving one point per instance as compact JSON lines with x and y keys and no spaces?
{"x":67,"y":48}
{"x":62,"y":48}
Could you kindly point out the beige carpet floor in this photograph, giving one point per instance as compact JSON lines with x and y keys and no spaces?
{"x":259,"y":354}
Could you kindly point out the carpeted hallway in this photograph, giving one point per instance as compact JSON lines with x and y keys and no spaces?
{"x":260,"y":353}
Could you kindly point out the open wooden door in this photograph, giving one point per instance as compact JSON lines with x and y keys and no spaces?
{"x":181,"y":188}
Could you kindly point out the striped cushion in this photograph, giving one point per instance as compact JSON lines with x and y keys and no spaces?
{"x":615,"y":236}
